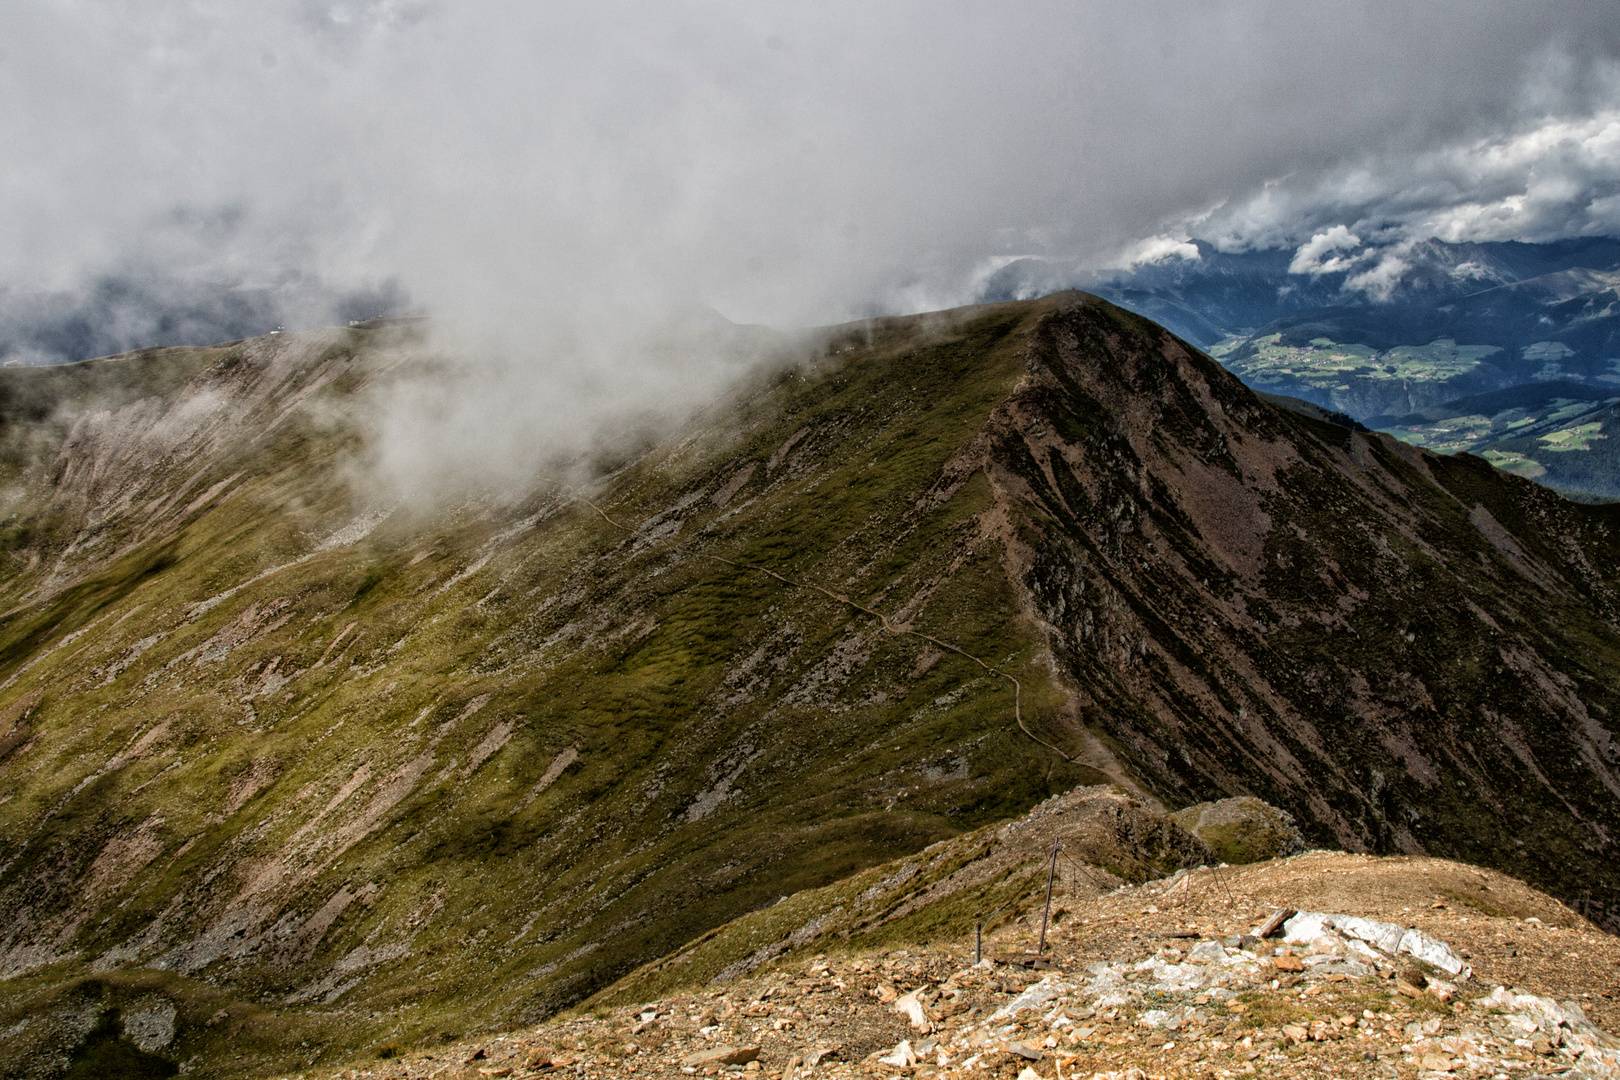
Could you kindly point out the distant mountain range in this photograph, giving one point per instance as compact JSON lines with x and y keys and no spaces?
{"x":148,"y":308}
{"x":1508,"y":350}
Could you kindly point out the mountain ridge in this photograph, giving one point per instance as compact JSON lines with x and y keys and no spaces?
{"x":468,"y":767}
{"x":1436,"y":325}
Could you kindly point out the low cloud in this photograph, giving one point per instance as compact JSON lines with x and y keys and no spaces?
{"x":1156,"y":249}
{"x":551,"y":182}
{"x":1321,"y":253}
{"x":1381,"y":279}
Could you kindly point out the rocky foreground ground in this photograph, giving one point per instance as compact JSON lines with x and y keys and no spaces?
{"x":1396,"y":967}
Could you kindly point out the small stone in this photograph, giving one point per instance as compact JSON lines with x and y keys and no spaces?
{"x":1437,"y":1063}
{"x":1288,"y":963}
{"x":1413,"y":976}
{"x":902,"y":1056}
{"x":911,"y":1007}
{"x":722,"y":1055}
{"x":820,"y":1054}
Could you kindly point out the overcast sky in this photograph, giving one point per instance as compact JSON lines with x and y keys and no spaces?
{"x":784,"y":163}
{"x":551,"y":178}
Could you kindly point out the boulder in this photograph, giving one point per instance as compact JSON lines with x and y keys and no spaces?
{"x":1242,"y":829}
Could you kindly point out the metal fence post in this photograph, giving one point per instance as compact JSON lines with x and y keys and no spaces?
{"x":1046,"y":911}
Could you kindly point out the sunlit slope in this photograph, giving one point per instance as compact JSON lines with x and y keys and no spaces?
{"x":329,"y":771}
{"x":468,"y":771}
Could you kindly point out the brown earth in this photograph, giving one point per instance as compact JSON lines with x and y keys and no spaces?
{"x":1509,"y":933}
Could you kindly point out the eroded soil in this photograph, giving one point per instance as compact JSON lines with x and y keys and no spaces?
{"x":839,"y":1011}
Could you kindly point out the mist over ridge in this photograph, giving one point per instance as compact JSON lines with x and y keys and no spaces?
{"x":554,"y":185}
{"x":538,"y":174}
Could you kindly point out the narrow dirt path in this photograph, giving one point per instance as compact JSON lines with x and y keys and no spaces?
{"x":883,"y":620}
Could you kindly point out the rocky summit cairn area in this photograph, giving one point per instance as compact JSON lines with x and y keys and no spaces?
{"x":1320,"y":964}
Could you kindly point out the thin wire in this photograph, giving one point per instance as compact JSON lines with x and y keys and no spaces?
{"x":1103,"y":884}
{"x":1230,"y":899}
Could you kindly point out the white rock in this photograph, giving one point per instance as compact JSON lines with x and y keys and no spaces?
{"x":1168,"y":1019}
{"x":913,"y":1010}
{"x":1104,"y":981}
{"x":1329,"y":945}
{"x":1383,"y":936}
{"x":1501,"y":998}
{"x":1309,"y":926}
{"x":1431,"y":951}
{"x":1305,"y":926}
{"x":1181,"y":977}
{"x":1156,"y":1018}
{"x":1038,"y":996}
{"x":1362,"y":951}
{"x":1207,"y":952}
{"x":902,"y":1056}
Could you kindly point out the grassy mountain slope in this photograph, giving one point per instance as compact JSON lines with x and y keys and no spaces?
{"x":318,"y":772}
{"x":469,"y":770}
